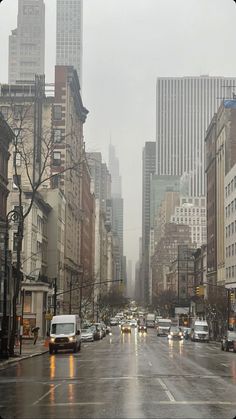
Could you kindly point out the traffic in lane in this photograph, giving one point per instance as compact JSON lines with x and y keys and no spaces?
{"x":125,"y":375}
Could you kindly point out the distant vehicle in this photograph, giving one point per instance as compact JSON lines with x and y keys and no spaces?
{"x":133,"y":323}
{"x":97,"y":331}
{"x":163,"y":327}
{"x":87,"y":335}
{"x":142,"y":328}
{"x":150,"y":320}
{"x":104,"y":329}
{"x":229,"y":341}
{"x":200,"y":331}
{"x":65,"y":333}
{"x":114,"y":321}
{"x":126,"y":328}
{"x":186,"y":332}
{"x":175,"y":333}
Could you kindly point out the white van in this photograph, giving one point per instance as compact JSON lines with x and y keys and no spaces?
{"x":65,"y":333}
{"x":200,"y":331}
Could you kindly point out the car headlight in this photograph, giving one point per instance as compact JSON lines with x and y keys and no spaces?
{"x":171,"y":333}
{"x":71,"y":338}
{"x":52,"y":340}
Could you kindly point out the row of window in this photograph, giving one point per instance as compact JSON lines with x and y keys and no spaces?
{"x":190,"y":221}
{"x":231,"y":250}
{"x":191,"y":211}
{"x":231,"y":272}
{"x":230,"y":229}
{"x":230,"y":208}
{"x":230,"y":187}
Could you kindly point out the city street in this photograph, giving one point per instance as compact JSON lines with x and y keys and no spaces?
{"x":123,"y":376}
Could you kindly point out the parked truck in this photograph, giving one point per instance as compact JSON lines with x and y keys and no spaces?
{"x":150,"y":320}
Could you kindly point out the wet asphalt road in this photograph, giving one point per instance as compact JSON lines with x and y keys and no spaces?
{"x":123,"y":376}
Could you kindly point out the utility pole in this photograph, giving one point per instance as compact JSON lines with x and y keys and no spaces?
{"x":70,"y":293}
{"x":55,"y":298}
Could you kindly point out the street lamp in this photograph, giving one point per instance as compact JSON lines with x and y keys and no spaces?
{"x":12,"y":216}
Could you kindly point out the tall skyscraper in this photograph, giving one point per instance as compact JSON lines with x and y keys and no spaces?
{"x":115,"y":172}
{"x":184,"y":109}
{"x":69,"y":38}
{"x":27,"y":42}
{"x":149,"y":168}
{"x":117,"y":204}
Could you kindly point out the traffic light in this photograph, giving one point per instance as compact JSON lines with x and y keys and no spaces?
{"x":197,"y":291}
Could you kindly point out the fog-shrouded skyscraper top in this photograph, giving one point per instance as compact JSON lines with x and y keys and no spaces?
{"x":184,"y":109}
{"x":115,"y":173}
{"x":27,"y":42}
{"x":69,"y":38}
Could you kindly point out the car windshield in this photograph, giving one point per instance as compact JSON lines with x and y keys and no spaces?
{"x":86,"y":330}
{"x":201,"y":328}
{"x":62,"y":328}
{"x":175,"y":329}
{"x":164,"y":324}
{"x":232,"y":335}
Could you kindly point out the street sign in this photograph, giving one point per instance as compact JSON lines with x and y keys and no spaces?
{"x":48,"y":316}
{"x":18,"y":310}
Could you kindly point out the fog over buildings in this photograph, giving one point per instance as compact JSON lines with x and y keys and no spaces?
{"x":120,"y":69}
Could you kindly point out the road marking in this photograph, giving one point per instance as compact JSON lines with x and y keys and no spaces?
{"x":75,"y":404}
{"x":150,"y":364}
{"x":46,"y":394}
{"x":168,"y":393}
{"x":224,"y":365}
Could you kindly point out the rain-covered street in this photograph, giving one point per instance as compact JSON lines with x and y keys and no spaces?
{"x":123,"y":376}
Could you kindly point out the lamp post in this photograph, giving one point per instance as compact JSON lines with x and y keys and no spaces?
{"x":13,"y":216}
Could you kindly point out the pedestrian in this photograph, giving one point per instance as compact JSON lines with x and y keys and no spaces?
{"x":35,"y":331}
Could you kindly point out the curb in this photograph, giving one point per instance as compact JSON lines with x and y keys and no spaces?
{"x":5,"y":364}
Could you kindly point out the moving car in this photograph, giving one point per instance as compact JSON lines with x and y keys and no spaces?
{"x":163,"y":327}
{"x":87,"y":335}
{"x":126,"y":328}
{"x":150,"y":320}
{"x":229,"y":341}
{"x":186,"y":332}
{"x":114,"y":321}
{"x":65,"y":333}
{"x":142,"y":328}
{"x":133,"y":323}
{"x":175,"y":333}
{"x":200,"y":331}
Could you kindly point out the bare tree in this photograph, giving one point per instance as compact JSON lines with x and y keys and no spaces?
{"x":32,"y":162}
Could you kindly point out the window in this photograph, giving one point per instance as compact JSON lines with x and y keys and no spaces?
{"x":57,"y":112}
{"x":27,"y":301}
{"x":56,"y":158}
{"x":57,"y":136}
{"x":17,"y":159}
{"x":16,"y":181}
{"x":17,"y":112}
{"x":5,"y":111}
{"x":55,"y":182}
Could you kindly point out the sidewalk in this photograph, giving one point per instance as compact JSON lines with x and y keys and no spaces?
{"x":29,"y":350}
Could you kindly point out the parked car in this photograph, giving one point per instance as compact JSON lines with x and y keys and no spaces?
{"x":97,"y":331}
{"x":175,"y":333}
{"x":87,"y":335}
{"x":229,"y":341}
{"x":104,"y":329}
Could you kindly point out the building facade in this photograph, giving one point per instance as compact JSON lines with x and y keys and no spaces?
{"x":184,"y":109}
{"x":69,"y":34}
{"x":27,"y":42}
{"x":192,"y":211}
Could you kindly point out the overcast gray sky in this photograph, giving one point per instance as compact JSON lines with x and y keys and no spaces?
{"x":127,"y":44}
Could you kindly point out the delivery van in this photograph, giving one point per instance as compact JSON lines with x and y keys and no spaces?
{"x":200,"y":331}
{"x":65,"y":333}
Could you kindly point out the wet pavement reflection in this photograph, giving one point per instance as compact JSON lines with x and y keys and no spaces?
{"x":137,"y":375}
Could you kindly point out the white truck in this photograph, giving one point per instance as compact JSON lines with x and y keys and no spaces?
{"x":200,"y":331}
{"x":163,"y":327}
{"x":65,"y":333}
{"x":150,"y":320}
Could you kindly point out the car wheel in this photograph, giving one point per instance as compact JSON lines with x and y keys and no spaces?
{"x":222,"y":347}
{"x":79,"y":347}
{"x":50,"y":350}
{"x":75,"y":348}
